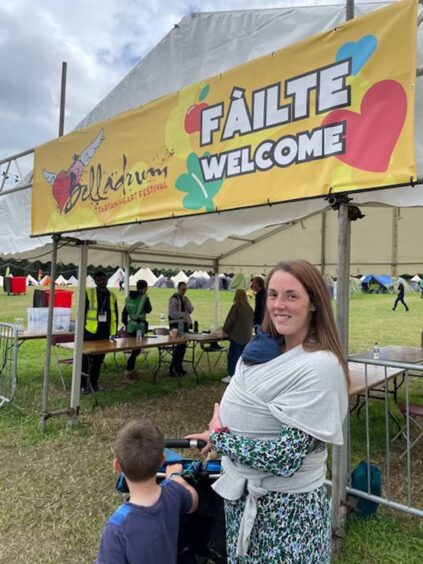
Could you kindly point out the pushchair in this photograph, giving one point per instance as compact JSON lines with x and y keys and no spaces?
{"x":201,"y":534}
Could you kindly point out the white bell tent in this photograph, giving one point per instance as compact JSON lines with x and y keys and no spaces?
{"x":179,"y":277}
{"x":143,"y":274}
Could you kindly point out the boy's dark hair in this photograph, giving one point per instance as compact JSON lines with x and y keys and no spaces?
{"x":139,"y":449}
{"x":181,"y":283}
{"x":142,"y":284}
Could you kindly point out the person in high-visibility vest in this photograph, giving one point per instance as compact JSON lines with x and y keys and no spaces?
{"x":137,"y":305}
{"x":101,"y":318}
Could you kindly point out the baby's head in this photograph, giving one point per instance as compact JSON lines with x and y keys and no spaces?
{"x":139,"y":449}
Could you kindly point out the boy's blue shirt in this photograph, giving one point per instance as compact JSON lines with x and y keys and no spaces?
{"x":136,"y":534}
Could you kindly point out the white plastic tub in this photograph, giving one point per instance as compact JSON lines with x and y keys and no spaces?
{"x":37,"y":319}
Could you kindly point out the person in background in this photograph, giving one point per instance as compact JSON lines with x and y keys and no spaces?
{"x":180,"y":309}
{"x":400,"y":297}
{"x":120,"y":279}
{"x":238,"y":327}
{"x":145,"y":528}
{"x":257,"y":284}
{"x":137,"y":305}
{"x":101,"y":318}
{"x":421,"y":287}
{"x":275,"y":422}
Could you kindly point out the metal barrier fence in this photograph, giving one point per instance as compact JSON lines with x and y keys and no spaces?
{"x":8,"y":362}
{"x":402,"y":419}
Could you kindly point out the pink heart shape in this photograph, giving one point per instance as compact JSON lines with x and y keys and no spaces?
{"x":61,"y":188}
{"x":372,"y":134}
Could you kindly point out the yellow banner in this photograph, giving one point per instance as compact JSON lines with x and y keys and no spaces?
{"x":333,"y":113}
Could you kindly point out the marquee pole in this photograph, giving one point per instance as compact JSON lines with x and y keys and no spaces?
{"x":44,"y":408}
{"x":216,"y":293}
{"x":79,"y":338}
{"x":127,"y":266}
{"x":340,"y":453}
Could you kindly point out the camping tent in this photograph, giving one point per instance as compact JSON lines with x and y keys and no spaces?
{"x":90,"y":282}
{"x":200,"y":274}
{"x":355,"y":286}
{"x":61,"y":281}
{"x":224,"y":282}
{"x":143,"y":274}
{"x":113,"y":281}
{"x":180,"y":277}
{"x":407,"y":286}
{"x":195,"y":282}
{"x":163,"y":282}
{"x":240,"y":281}
{"x":73,"y":281}
{"x":377,"y":283}
{"x":30,"y":281}
{"x":415,"y":283}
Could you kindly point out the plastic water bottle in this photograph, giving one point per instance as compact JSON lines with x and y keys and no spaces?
{"x":162,"y":318}
{"x":376,"y":351}
{"x":195,"y":326}
{"x":180,"y":328}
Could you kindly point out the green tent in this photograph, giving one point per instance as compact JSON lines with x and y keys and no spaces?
{"x":240,"y":282}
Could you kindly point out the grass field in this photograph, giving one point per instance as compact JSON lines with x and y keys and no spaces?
{"x":57,"y":488}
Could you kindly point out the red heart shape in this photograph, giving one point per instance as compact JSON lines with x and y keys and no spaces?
{"x":371,"y":135}
{"x":61,"y":188}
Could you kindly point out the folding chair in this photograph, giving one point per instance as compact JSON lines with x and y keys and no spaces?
{"x":415,"y":412}
{"x":60,"y":361}
{"x":143,"y":355}
{"x":165,"y":351}
{"x":212,"y":348}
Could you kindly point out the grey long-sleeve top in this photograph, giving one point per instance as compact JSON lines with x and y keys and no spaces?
{"x":175,"y":307}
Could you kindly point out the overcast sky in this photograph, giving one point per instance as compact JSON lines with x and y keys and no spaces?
{"x":101,"y":40}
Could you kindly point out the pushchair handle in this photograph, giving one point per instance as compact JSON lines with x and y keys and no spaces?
{"x":185,"y":443}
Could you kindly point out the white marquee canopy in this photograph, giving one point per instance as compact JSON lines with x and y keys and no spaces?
{"x":246,"y":240}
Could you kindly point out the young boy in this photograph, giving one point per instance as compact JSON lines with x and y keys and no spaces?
{"x":145,"y":528}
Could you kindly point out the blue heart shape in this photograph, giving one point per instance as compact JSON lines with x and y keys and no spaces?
{"x":359,"y":51}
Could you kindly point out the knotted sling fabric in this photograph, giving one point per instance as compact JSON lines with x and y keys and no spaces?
{"x":304,"y":390}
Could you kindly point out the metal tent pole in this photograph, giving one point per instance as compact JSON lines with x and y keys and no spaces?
{"x":216,"y":293}
{"x":79,"y":338}
{"x":44,"y":409}
{"x":394,"y":255}
{"x":340,"y":453}
{"x":323,"y":245}
{"x":127,"y":264}
{"x":63,"y":100}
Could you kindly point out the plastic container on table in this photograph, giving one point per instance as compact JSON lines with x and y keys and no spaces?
{"x":37,"y":319}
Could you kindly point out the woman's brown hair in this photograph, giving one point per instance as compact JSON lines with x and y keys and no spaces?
{"x":240,"y":297}
{"x":322,"y":333}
